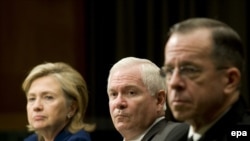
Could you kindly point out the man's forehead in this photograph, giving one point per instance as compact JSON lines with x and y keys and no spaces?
{"x":198,"y":41}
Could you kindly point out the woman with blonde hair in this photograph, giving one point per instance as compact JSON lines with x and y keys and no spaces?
{"x":57,"y":100}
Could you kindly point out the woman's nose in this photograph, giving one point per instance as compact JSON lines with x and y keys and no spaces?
{"x":38,"y":105}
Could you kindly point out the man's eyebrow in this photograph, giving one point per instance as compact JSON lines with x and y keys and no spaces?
{"x":183,"y":63}
{"x":130,"y":86}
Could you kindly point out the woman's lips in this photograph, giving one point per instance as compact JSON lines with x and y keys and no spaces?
{"x":39,"y":117}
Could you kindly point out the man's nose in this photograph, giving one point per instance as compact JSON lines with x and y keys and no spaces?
{"x":176,"y":80}
{"x":121,"y":102}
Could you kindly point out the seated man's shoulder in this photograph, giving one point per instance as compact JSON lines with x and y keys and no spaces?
{"x":174,"y":131}
{"x":179,"y":126}
{"x":246,"y":118}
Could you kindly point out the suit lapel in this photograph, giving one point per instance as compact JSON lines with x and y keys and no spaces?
{"x":155,"y":129}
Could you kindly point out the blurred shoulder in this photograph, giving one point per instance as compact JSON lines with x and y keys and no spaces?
{"x":80,"y":136}
{"x":32,"y":137}
{"x":179,"y":131}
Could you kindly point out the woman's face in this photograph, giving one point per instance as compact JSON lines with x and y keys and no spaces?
{"x":47,"y":107}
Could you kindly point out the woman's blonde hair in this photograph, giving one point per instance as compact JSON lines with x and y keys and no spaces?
{"x":73,"y":86}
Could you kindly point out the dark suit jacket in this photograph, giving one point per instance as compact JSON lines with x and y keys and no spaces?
{"x":64,"y":135}
{"x":166,"y":131}
{"x":236,"y":119}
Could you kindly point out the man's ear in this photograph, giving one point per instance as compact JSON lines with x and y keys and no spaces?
{"x":161,"y":97}
{"x":233,"y":80}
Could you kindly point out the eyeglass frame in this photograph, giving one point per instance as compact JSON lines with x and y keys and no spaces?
{"x":188,"y":71}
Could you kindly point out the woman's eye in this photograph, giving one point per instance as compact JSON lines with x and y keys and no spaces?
{"x":49,"y":97}
{"x":30,"y":99}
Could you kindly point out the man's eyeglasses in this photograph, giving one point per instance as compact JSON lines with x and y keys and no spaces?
{"x":188,"y":71}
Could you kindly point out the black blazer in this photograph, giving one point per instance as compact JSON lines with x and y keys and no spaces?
{"x":166,"y":131}
{"x":236,"y":119}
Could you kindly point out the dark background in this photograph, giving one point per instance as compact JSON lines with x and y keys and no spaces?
{"x":91,"y":35}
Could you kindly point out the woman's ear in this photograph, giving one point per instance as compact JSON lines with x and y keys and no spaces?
{"x":72,"y":109}
{"x":233,"y":80}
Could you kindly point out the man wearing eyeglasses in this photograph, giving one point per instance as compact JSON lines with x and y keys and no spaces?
{"x":203,"y":67}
